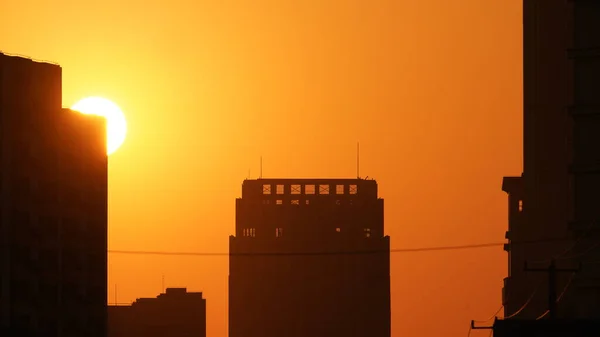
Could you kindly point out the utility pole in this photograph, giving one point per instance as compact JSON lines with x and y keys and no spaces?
{"x":551,"y":270}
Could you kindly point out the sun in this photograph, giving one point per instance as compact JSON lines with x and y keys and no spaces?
{"x":116,"y":125}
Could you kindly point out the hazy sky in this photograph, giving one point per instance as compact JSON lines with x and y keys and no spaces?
{"x":431,"y":89}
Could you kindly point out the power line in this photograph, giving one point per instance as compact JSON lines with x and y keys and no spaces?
{"x":561,"y":256}
{"x":491,"y":317}
{"x":526,"y":303}
{"x":354,"y":252}
{"x":559,"y":296}
{"x":552,"y":274}
{"x":538,"y":286}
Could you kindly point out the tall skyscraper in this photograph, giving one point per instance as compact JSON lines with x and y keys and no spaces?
{"x":554,"y":207}
{"x":309,"y":258}
{"x":53,"y":207}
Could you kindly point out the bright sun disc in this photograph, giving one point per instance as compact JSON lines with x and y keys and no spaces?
{"x":116,"y":125}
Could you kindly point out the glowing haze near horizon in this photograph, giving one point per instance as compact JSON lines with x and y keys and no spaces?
{"x":116,"y":124}
{"x":430,"y":89}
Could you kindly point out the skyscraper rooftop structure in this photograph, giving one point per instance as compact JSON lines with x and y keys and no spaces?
{"x":309,"y":258}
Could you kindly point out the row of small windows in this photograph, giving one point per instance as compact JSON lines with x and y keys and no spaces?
{"x":310,"y":189}
{"x":251,"y":232}
{"x":299,"y":202}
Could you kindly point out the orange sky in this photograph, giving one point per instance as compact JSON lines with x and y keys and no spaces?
{"x":431,"y":89}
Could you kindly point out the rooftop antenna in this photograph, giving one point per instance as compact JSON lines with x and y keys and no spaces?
{"x":358,"y":160}
{"x":116,"y":303}
{"x":163,"y":283}
{"x":260,"y":176}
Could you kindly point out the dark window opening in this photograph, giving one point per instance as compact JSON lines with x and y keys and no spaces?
{"x":368,"y":232}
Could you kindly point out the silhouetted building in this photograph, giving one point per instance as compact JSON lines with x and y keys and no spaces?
{"x":309,"y":258}
{"x":176,"y":313}
{"x":554,"y":207}
{"x":546,"y":328}
{"x":53,"y":207}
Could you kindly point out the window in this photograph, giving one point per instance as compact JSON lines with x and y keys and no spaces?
{"x":307,"y":201}
{"x":266,"y":189}
{"x":353,"y":189}
{"x":278,"y":232}
{"x":338,"y":202}
{"x":266,"y":201}
{"x":249,"y":232}
{"x":367,"y":232}
{"x":323,"y":189}
{"x":339,"y":189}
{"x":280,"y":189}
{"x":295,"y":202}
{"x":338,"y":229}
{"x":279,"y":202}
{"x":309,"y":189}
{"x":295,"y":189}
{"x":520,"y":205}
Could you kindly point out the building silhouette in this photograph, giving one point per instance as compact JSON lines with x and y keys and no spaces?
{"x":175,"y":313}
{"x":53,"y":208}
{"x":309,"y":258}
{"x":554,"y":207}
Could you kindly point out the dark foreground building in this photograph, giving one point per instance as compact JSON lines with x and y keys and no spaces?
{"x":554,"y":207}
{"x":546,"y":328}
{"x":53,"y":208}
{"x":309,"y":258}
{"x":176,"y":313}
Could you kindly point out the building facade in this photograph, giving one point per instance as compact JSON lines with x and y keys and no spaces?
{"x":175,"y":313}
{"x":53,"y":207}
{"x":309,"y":258}
{"x":553,"y":206}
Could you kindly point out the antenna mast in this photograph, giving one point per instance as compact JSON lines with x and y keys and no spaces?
{"x":260,"y":176}
{"x":358,"y":160}
{"x":163,"y":283}
{"x":116,"y":302}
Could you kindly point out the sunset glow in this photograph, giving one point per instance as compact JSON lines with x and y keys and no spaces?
{"x":432,"y":90}
{"x":116,"y":125}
